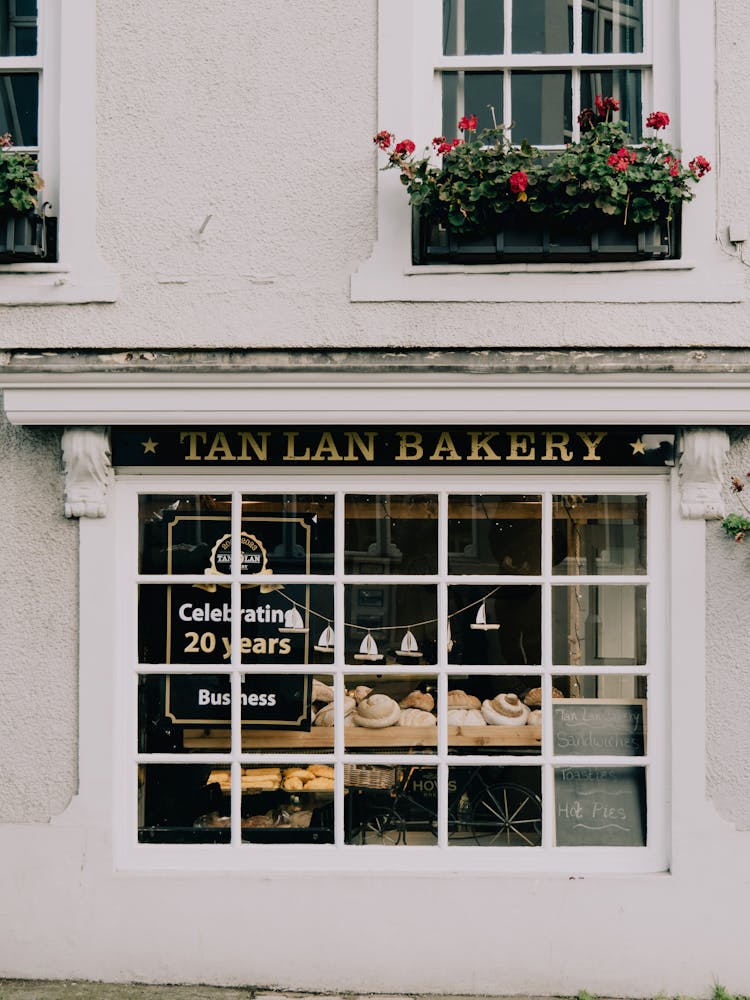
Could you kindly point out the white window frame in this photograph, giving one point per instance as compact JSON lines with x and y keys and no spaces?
{"x":681,"y":57}
{"x":355,"y":858}
{"x":66,"y":62}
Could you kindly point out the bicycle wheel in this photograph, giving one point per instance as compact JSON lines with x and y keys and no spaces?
{"x":384,"y":827}
{"x":507,"y":815}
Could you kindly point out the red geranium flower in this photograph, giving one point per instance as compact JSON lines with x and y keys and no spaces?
{"x":405,"y":146}
{"x":699,"y":166}
{"x":438,"y":140}
{"x":657,"y":120}
{"x":622,"y":159}
{"x":468,"y":123}
{"x":443,"y":148}
{"x":673,"y":165}
{"x":606,"y":104}
{"x":518,"y":181}
{"x":383,"y":139}
{"x":456,"y":142}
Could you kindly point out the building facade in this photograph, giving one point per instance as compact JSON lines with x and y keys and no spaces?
{"x":467,"y":713}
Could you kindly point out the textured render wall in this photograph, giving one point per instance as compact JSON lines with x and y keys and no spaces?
{"x":38,"y":629}
{"x":728,"y":656}
{"x":264,"y":122}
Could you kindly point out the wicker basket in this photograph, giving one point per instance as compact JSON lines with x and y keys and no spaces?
{"x":369,"y":776}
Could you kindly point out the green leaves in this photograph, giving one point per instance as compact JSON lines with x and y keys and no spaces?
{"x":19,"y":180}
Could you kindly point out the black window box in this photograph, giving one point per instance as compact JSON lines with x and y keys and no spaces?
{"x":537,"y":242}
{"x":27,"y":237}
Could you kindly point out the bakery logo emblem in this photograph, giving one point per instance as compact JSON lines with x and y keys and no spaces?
{"x":253,"y":555}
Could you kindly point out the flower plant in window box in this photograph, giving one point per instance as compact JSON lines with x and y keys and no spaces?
{"x":601,"y":198}
{"x":22,"y":222}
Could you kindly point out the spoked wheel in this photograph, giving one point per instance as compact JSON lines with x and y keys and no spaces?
{"x":507,"y":815}
{"x":383,"y":828}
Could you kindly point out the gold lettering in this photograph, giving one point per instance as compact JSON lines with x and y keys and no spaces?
{"x":290,"y":456}
{"x":592,"y":442}
{"x":480,"y":441}
{"x":410,"y":441}
{"x":326,"y":446}
{"x":521,"y":446}
{"x":557,"y":441}
{"x":259,"y":448}
{"x":220,"y":447}
{"x":192,"y":437}
{"x":368,"y":450}
{"x":445,"y":444}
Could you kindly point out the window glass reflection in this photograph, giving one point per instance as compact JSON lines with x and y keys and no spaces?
{"x":18,"y":27}
{"x":599,"y":535}
{"x":542,"y":26}
{"x":391,"y":534}
{"x":495,"y":535}
{"x":541,"y":107}
{"x":471,"y":93}
{"x":498,"y":625}
{"x":594,"y":625}
{"x":612,"y":26}
{"x":472,"y":27}
{"x":622,"y":84}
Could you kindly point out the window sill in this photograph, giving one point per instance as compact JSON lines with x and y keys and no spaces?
{"x":31,"y":284}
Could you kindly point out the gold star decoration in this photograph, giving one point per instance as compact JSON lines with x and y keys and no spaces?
{"x":149,"y":447}
{"x":639,"y":448}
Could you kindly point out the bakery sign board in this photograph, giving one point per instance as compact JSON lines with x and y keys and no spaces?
{"x":600,"y":806}
{"x":436,"y":447}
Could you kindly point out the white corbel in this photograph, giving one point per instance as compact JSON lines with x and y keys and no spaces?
{"x":87,"y":464}
{"x":701,"y":465}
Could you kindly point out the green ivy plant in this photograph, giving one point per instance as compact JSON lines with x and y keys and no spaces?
{"x":19,"y":181}
{"x":737,"y":525}
{"x":484,"y":178}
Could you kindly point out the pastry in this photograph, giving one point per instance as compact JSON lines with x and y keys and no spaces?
{"x":321,"y":692}
{"x":326,"y":714}
{"x":534,"y":697}
{"x":465,"y":717}
{"x":418,"y":699}
{"x":292,"y":784}
{"x":360,"y":693}
{"x":535,"y":717}
{"x":460,"y":699}
{"x":505,"y":710}
{"x":319,"y":785}
{"x":321,"y":770}
{"x":377,"y":712}
{"x":298,"y":772}
{"x":416,"y":717}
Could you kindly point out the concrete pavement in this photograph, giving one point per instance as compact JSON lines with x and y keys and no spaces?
{"x":26,"y":989}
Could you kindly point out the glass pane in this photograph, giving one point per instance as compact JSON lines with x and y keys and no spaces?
{"x":622,"y":84}
{"x":612,"y":26}
{"x":181,"y":534}
{"x":393,"y":624}
{"x":391,"y":714}
{"x":286,"y":624}
{"x":391,"y":534}
{"x":495,"y":806}
{"x":498,"y":625}
{"x":294,"y":532}
{"x":471,"y":94}
{"x":542,"y":26}
{"x":600,"y":806}
{"x":18,"y":24}
{"x":287,"y":804}
{"x":541,"y":107}
{"x":594,"y":625}
{"x":19,"y":103}
{"x":602,"y":715}
{"x":495,"y":535}
{"x":599,"y":535}
{"x":181,"y":804}
{"x":472,"y":27}
{"x":489,"y":715}
{"x":391,"y":806}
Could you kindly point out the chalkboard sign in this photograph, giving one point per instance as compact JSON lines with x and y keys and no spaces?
{"x":600,"y":806}
{"x":595,"y":727}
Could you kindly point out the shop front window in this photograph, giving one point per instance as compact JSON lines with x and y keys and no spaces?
{"x":370,"y":667}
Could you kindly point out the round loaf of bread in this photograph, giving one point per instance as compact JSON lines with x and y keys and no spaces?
{"x":505,"y":710}
{"x":321,"y":692}
{"x":416,"y":717}
{"x":460,"y":699}
{"x":535,"y":717}
{"x":465,"y":717}
{"x":418,"y":699}
{"x":534,"y":697}
{"x":377,"y":712}
{"x":326,"y":714}
{"x":361,"y":692}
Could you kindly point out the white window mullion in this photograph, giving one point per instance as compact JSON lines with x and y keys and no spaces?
{"x":339,"y":685}
{"x":236,"y":677}
{"x":442,"y":669}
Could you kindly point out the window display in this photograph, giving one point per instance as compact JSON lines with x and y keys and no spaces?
{"x":439,"y":669}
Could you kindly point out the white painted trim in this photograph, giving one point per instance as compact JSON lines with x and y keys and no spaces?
{"x":114,"y":398}
{"x":682,"y":84}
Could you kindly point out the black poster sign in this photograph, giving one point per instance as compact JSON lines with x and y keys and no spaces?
{"x":600,"y":806}
{"x":193,"y":447}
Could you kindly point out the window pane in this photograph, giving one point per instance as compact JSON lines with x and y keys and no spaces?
{"x":604,"y":715}
{"x":599,"y":625}
{"x":391,"y":806}
{"x":599,"y":535}
{"x":541,"y":107}
{"x":18,"y":26}
{"x":489,"y":715}
{"x":178,"y":534}
{"x":497,"y":625}
{"x":19,"y":102}
{"x":295,"y":531}
{"x":391,"y":534}
{"x":287,"y":804}
{"x":541,"y":26}
{"x":495,"y":535}
{"x":612,"y":26}
{"x":478,"y":32}
{"x":393,"y":624}
{"x":600,"y":806}
{"x":181,"y":804}
{"x":622,"y":84}
{"x":495,"y":806}
{"x":391,"y":714}
{"x":471,"y":94}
